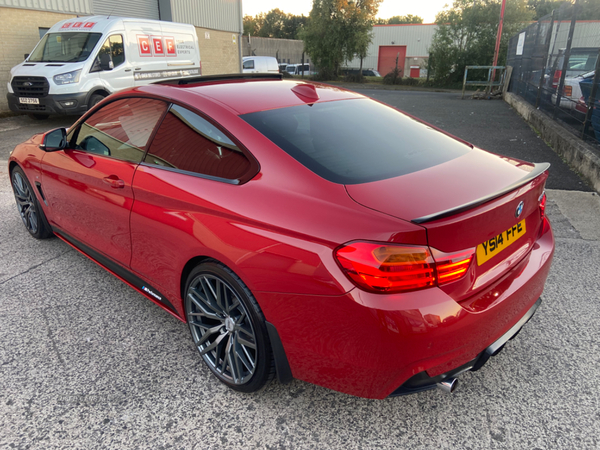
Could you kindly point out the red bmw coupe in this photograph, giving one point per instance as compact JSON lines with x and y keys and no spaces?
{"x":298,"y":228}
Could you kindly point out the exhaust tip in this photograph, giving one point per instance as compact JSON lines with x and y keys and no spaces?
{"x":448,"y":385}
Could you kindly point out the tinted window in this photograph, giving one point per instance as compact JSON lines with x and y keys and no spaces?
{"x":121,"y":129}
{"x":249,"y":64}
{"x":355,"y":141}
{"x":186,"y":141}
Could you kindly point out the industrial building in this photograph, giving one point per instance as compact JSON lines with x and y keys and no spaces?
{"x":218,"y":26}
{"x":408,"y":44}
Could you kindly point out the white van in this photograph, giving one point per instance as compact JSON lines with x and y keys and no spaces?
{"x":260,"y":64}
{"x":296,"y":69}
{"x":80,"y":61}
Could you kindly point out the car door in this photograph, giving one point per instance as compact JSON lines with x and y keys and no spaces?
{"x":190,"y":163}
{"x":88,"y":185}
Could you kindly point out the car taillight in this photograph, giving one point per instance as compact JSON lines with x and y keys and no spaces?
{"x":568,"y":91}
{"x":542,"y":201}
{"x":556,"y":78}
{"x":581,"y":106}
{"x":387,"y":268}
{"x":545,"y":223}
{"x":451,"y":267}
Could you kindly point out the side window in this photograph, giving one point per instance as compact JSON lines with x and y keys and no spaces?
{"x":121,"y":129}
{"x":186,"y":141}
{"x":249,"y":64}
{"x":111,"y":54}
{"x":116,"y":49}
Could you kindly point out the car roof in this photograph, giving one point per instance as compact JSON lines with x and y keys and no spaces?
{"x":247,"y":95}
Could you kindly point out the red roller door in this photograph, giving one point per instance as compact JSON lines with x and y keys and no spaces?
{"x":387,"y":58}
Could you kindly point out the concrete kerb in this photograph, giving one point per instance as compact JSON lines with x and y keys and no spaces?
{"x":579,"y":155}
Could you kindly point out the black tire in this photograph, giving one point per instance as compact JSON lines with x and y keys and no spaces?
{"x":28,"y":206}
{"x":38,"y":116}
{"x":228,"y":328}
{"x":94,"y":100}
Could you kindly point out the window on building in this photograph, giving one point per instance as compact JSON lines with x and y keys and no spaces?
{"x":186,"y":141}
{"x":43,"y":31}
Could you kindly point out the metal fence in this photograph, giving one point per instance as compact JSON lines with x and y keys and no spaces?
{"x":555,"y":68}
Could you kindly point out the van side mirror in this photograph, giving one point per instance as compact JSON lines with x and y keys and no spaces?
{"x":54,"y":140}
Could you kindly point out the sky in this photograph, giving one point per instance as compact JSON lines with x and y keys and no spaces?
{"x":427,"y":9}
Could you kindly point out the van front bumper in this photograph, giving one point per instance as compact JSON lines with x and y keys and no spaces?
{"x":64,"y":104}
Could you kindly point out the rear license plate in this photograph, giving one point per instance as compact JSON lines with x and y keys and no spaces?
{"x":29,"y":100}
{"x":495,"y":245}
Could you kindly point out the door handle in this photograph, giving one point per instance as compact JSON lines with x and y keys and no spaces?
{"x":114,"y":182}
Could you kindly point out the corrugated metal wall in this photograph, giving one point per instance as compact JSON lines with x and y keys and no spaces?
{"x":417,"y":39}
{"x":62,"y":6}
{"x":216,"y":14}
{"x":145,"y":9}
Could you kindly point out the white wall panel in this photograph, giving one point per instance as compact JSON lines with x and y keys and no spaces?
{"x":144,"y":9}
{"x":61,"y":6}
{"x":216,"y":14}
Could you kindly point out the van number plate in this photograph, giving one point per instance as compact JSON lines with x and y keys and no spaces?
{"x":29,"y":100}
{"x":495,"y":245}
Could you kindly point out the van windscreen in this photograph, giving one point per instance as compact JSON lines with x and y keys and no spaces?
{"x":65,"y":47}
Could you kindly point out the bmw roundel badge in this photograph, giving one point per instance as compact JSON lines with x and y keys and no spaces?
{"x":519,"y":210}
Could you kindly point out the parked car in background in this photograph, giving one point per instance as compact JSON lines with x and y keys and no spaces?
{"x":80,"y":61}
{"x":282,"y":67}
{"x":571,"y":96}
{"x":365,"y":72}
{"x":581,"y":60}
{"x":299,"y":69}
{"x":260,"y":64}
{"x":265,"y":213}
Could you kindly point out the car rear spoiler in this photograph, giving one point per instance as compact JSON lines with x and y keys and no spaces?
{"x":538,"y":169}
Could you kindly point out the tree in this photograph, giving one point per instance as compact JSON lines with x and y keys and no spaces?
{"x":466,"y":35}
{"x":274,"y":24}
{"x":337,"y":31}
{"x":588,"y":9}
{"x":398,"y":20}
{"x":252,"y":25}
{"x":542,"y":8}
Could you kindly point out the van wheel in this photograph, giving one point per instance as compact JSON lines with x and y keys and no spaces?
{"x":94,"y":100}
{"x":38,"y":116}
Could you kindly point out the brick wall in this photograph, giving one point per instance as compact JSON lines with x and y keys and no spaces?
{"x":19,"y":33}
{"x":219,"y":51}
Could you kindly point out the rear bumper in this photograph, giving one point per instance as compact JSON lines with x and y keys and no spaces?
{"x":63,"y":104}
{"x":368,"y":345}
{"x":422,"y":382}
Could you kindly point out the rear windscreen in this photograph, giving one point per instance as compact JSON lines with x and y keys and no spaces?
{"x":355,"y":141}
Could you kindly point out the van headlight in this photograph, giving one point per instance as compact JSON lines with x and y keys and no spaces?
{"x":67,"y":78}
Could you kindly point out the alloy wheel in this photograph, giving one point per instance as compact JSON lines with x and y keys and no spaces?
{"x":222,"y":329}
{"x":25,"y":202}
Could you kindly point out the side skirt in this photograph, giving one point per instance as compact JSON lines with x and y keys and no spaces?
{"x":120,"y":272}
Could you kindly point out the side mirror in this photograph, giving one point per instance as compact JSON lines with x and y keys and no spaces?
{"x":54,"y":140}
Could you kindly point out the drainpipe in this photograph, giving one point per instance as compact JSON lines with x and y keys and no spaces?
{"x":240,"y":34}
